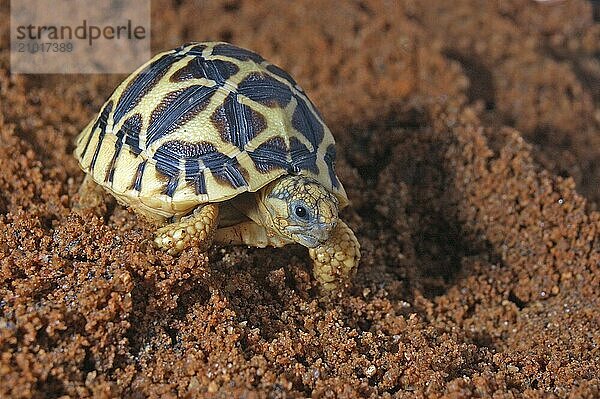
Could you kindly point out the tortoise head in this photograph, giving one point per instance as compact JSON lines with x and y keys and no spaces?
{"x":300,"y":209}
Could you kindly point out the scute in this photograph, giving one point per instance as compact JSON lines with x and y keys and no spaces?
{"x":203,"y":123}
{"x":176,"y":109}
{"x":266,"y":90}
{"x":217,"y":70}
{"x":270,"y":155}
{"x":237,"y":123}
{"x":143,"y":82}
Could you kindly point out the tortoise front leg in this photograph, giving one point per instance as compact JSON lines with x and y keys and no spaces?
{"x":196,"y":230}
{"x":249,"y":233}
{"x":335,"y":261}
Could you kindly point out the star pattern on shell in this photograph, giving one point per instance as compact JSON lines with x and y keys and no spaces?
{"x":205,"y":122}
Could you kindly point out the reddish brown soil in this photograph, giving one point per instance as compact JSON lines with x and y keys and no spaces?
{"x":469,"y":138}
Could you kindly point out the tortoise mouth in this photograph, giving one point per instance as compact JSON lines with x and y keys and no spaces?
{"x":310,"y":237}
{"x":307,"y":240}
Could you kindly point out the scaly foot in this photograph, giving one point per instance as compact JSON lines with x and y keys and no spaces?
{"x":196,"y":230}
{"x":335,"y":261}
{"x":91,"y":195}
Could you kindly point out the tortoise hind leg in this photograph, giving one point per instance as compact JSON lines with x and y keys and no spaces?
{"x":196,"y":230}
{"x":91,"y":194}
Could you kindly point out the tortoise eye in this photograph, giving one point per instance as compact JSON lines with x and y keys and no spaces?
{"x":301,"y":212}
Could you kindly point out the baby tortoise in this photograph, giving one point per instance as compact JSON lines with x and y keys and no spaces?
{"x":214,"y":144}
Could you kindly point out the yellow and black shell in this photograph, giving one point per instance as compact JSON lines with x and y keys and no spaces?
{"x":203,"y":123}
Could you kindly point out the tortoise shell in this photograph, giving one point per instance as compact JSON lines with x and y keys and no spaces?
{"x":203,"y":123}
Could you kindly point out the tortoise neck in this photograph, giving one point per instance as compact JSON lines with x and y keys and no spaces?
{"x":261,"y":213}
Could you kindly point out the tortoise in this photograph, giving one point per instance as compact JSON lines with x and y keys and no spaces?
{"x":212,"y":143}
